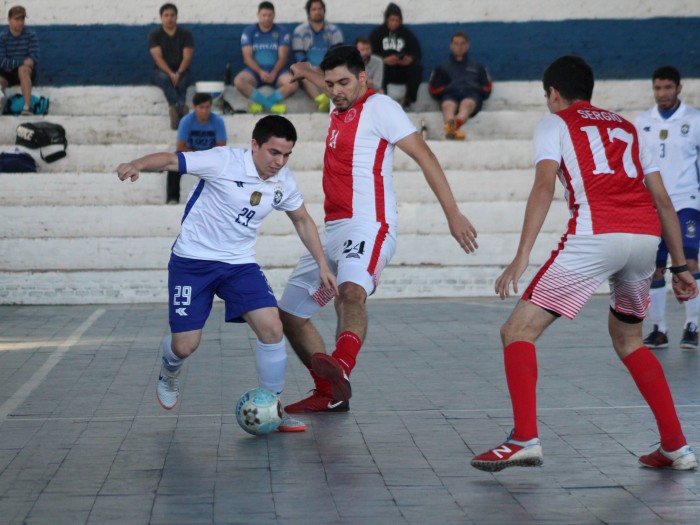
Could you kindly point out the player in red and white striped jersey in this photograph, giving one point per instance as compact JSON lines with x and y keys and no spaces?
{"x":360,"y":234}
{"x":619,"y":207}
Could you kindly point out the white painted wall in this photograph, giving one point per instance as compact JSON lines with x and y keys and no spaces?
{"x":66,"y":12}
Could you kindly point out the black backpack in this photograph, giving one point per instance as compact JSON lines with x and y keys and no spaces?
{"x":37,"y":135}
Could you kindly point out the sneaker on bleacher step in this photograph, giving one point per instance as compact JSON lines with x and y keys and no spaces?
{"x":681,"y":459}
{"x":254,"y":108}
{"x":26,"y":112}
{"x":278,"y":109}
{"x":323,"y":103}
{"x":656,"y":338}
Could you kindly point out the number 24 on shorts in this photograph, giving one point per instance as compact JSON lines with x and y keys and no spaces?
{"x":353,"y":251}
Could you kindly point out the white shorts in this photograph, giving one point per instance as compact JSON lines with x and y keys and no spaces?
{"x":581,"y":263}
{"x":356,"y":252}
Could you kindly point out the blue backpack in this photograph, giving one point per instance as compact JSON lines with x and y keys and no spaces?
{"x":15,"y":104}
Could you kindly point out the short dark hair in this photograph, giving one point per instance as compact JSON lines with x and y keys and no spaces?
{"x":571,"y":76}
{"x":309,"y":3}
{"x":265,"y":5}
{"x":347,"y":56}
{"x":461,"y":34}
{"x":362,"y":40}
{"x":667,"y":73}
{"x":165,"y":7}
{"x":274,"y":126}
{"x":201,"y":98}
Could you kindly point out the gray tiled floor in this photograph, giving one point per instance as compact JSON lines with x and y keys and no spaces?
{"x":82,"y":439}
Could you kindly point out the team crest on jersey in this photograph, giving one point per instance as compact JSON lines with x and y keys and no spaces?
{"x":350,"y":115}
{"x":255,"y":198}
{"x":685,"y":128}
{"x":663,"y":134}
{"x":690,"y":229}
{"x":277,"y":198}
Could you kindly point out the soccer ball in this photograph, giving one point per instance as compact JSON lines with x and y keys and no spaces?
{"x":259,"y":411}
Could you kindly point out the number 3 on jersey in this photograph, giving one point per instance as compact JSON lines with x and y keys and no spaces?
{"x":600,"y":158}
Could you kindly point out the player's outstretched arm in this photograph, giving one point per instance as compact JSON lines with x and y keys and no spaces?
{"x":306,"y":229}
{"x":460,"y":227}
{"x":538,"y":204}
{"x":683,"y":283}
{"x":154,"y":162}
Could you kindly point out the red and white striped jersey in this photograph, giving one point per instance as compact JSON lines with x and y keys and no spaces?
{"x":602,"y":166}
{"x":358,"y":163}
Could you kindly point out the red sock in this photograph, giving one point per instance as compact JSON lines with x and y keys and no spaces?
{"x":459,"y":122}
{"x":347,"y":346}
{"x":651,"y":382}
{"x":521,"y":374}
{"x":322,"y":385}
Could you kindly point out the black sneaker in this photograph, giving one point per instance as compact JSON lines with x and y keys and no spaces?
{"x":657,"y":339}
{"x":690,"y":337}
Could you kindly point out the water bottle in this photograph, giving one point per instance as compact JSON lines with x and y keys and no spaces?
{"x":227,"y":75}
{"x":423,"y":130}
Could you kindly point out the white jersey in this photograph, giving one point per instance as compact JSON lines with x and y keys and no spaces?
{"x":675,"y":143}
{"x":226,"y":208}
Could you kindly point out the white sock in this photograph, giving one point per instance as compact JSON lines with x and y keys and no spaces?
{"x":271,"y":364}
{"x":171,"y":361}
{"x":657,"y":308}
{"x":692,"y":309}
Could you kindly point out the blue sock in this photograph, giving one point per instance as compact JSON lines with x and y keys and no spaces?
{"x":275,"y":97}
{"x":258,"y":97}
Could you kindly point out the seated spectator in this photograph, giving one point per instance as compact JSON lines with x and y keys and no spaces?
{"x":373,"y":64}
{"x":172,"y":48}
{"x":400,"y":51}
{"x":19,"y":56}
{"x":265,"y":48}
{"x":460,"y":85}
{"x":310,"y":42}
{"x":198,"y":131}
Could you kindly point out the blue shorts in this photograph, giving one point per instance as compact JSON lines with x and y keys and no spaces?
{"x":192,"y":284}
{"x":259,"y":82}
{"x":690,"y":220}
{"x":458,"y":95}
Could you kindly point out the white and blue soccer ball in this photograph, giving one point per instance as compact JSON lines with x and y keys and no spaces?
{"x":259,"y":411}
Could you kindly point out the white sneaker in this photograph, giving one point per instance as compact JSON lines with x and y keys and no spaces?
{"x":290,"y":424}
{"x":167,"y":390}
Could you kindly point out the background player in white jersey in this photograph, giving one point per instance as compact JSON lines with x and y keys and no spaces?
{"x":672,"y":131}
{"x":619,"y":206}
{"x":214,"y":253}
{"x":360,"y":239}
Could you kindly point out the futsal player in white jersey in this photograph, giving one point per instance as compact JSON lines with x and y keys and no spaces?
{"x":672,"y":131}
{"x":619,"y":207}
{"x":214,"y":253}
{"x":360,"y":232}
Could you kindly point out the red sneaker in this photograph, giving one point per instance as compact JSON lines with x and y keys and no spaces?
{"x":512,"y":453}
{"x":681,"y":459}
{"x":317,"y":402}
{"x":327,"y":367}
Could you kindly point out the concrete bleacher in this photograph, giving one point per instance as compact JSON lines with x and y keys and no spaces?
{"x":73,"y":233}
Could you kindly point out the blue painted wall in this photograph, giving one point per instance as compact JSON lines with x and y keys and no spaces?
{"x":617,"y":49}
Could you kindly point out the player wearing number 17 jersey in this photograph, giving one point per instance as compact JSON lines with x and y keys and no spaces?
{"x":360,"y":239}
{"x":619,"y":206}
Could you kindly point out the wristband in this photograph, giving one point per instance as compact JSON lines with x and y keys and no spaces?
{"x":678,"y":269}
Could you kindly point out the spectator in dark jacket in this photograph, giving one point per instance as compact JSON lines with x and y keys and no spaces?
{"x":400,"y":50}
{"x":460,"y":85}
